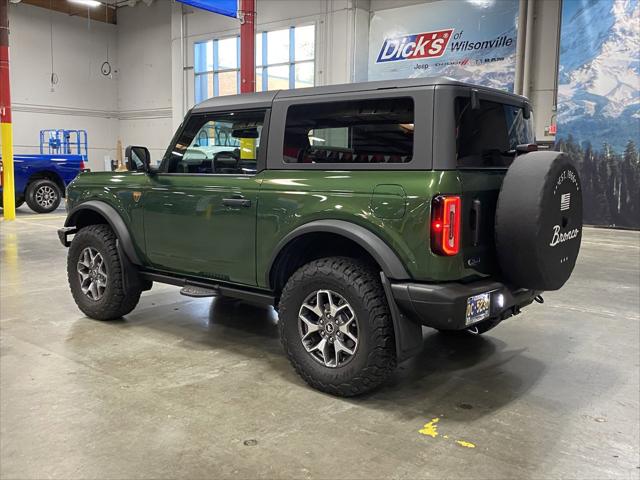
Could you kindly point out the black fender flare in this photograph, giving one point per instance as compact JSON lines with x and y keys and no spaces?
{"x":115,"y":222}
{"x":372,"y":243}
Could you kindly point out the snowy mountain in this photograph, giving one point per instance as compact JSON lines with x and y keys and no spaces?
{"x":599,"y":89}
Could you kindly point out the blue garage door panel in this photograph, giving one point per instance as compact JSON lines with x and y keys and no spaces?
{"x":223,"y":7}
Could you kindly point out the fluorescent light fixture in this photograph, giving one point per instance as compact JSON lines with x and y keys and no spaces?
{"x":87,"y":3}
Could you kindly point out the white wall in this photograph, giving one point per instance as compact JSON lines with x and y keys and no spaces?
{"x":144,"y":76}
{"x":83,"y":97}
{"x":133,"y":105}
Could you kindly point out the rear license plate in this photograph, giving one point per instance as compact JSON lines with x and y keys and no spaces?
{"x":478,"y":308}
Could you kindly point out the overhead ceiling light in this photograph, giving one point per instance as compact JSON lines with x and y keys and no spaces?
{"x":87,"y":3}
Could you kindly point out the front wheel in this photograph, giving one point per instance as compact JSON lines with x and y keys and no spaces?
{"x":336,"y":328}
{"x":43,"y":196}
{"x":95,"y":275}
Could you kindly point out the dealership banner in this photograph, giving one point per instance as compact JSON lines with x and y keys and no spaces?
{"x":469,"y":40}
{"x":599,"y":106}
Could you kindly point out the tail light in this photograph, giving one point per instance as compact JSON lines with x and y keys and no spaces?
{"x":83,"y":166}
{"x":445,"y":224}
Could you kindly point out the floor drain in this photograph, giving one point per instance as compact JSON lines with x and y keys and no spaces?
{"x":250,"y":443}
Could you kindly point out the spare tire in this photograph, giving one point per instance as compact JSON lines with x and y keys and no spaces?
{"x":539,"y":221}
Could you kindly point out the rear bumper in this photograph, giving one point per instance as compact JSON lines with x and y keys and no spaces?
{"x":443,"y":306}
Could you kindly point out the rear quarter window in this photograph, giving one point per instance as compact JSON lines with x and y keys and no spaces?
{"x":487,"y":137}
{"x":350,"y":132}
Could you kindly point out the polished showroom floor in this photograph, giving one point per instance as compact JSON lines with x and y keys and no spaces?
{"x":195,"y":388}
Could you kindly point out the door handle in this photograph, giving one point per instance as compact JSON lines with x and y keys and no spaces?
{"x":236,"y":201}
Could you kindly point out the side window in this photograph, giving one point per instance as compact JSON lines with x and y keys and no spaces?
{"x":487,"y":136}
{"x":361,"y":131}
{"x":226,"y":143}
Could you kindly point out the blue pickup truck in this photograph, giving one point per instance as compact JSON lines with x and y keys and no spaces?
{"x":40,"y":179}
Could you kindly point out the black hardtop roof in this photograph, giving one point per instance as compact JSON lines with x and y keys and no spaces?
{"x":264,"y":99}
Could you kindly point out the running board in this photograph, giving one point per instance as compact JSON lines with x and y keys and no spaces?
{"x":198,"y":292}
{"x":210,"y":289}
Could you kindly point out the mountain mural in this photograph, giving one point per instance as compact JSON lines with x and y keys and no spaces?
{"x":599,"y":106}
{"x":599,"y":75}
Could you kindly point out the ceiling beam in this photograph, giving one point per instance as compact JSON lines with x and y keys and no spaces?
{"x":102,"y":13}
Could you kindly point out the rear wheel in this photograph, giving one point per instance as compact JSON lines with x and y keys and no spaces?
{"x":95,"y":275}
{"x":43,"y":196}
{"x":336,"y":328}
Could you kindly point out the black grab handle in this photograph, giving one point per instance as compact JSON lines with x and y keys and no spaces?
{"x":236,"y":201}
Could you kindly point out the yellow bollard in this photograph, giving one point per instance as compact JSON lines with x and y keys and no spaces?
{"x":8,"y":185}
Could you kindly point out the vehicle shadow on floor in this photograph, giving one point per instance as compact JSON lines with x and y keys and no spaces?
{"x":465,"y":376}
{"x":470,"y":376}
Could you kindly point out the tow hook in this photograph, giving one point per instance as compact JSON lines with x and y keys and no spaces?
{"x":539,"y":299}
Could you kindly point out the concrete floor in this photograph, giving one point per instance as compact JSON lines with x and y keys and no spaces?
{"x":194,"y":388}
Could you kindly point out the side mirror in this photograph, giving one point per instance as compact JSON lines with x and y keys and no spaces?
{"x":137,"y":159}
{"x":526,"y":111}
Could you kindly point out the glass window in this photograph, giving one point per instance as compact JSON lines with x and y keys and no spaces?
{"x":487,"y":137}
{"x":278,"y":46}
{"x":204,"y":87}
{"x":364,"y":131}
{"x":203,"y":57}
{"x":228,"y":53}
{"x":284,"y":59}
{"x":227,"y":83}
{"x":305,"y":38}
{"x":259,"y":73}
{"x":278,"y":77}
{"x":217,"y":143}
{"x":304,"y":75}
{"x":258,"y":46}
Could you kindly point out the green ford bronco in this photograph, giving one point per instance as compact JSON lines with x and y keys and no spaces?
{"x":361,"y":212}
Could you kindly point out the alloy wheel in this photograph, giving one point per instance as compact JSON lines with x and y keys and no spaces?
{"x":92,"y":272}
{"x":46,"y":196}
{"x":328,"y":328}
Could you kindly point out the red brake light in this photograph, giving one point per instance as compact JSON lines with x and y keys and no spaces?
{"x":445,"y":224}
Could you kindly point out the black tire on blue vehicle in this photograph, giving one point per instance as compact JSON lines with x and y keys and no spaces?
{"x":538,"y":226}
{"x":43,"y":195}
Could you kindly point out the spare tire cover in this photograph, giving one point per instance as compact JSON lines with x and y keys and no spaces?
{"x":539,"y":221}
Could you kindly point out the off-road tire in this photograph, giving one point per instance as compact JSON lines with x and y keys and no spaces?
{"x":118,"y":299}
{"x":32,"y":192}
{"x":479,"y":329}
{"x":374,"y":359}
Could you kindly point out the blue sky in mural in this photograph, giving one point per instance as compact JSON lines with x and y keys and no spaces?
{"x":599,"y":75}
